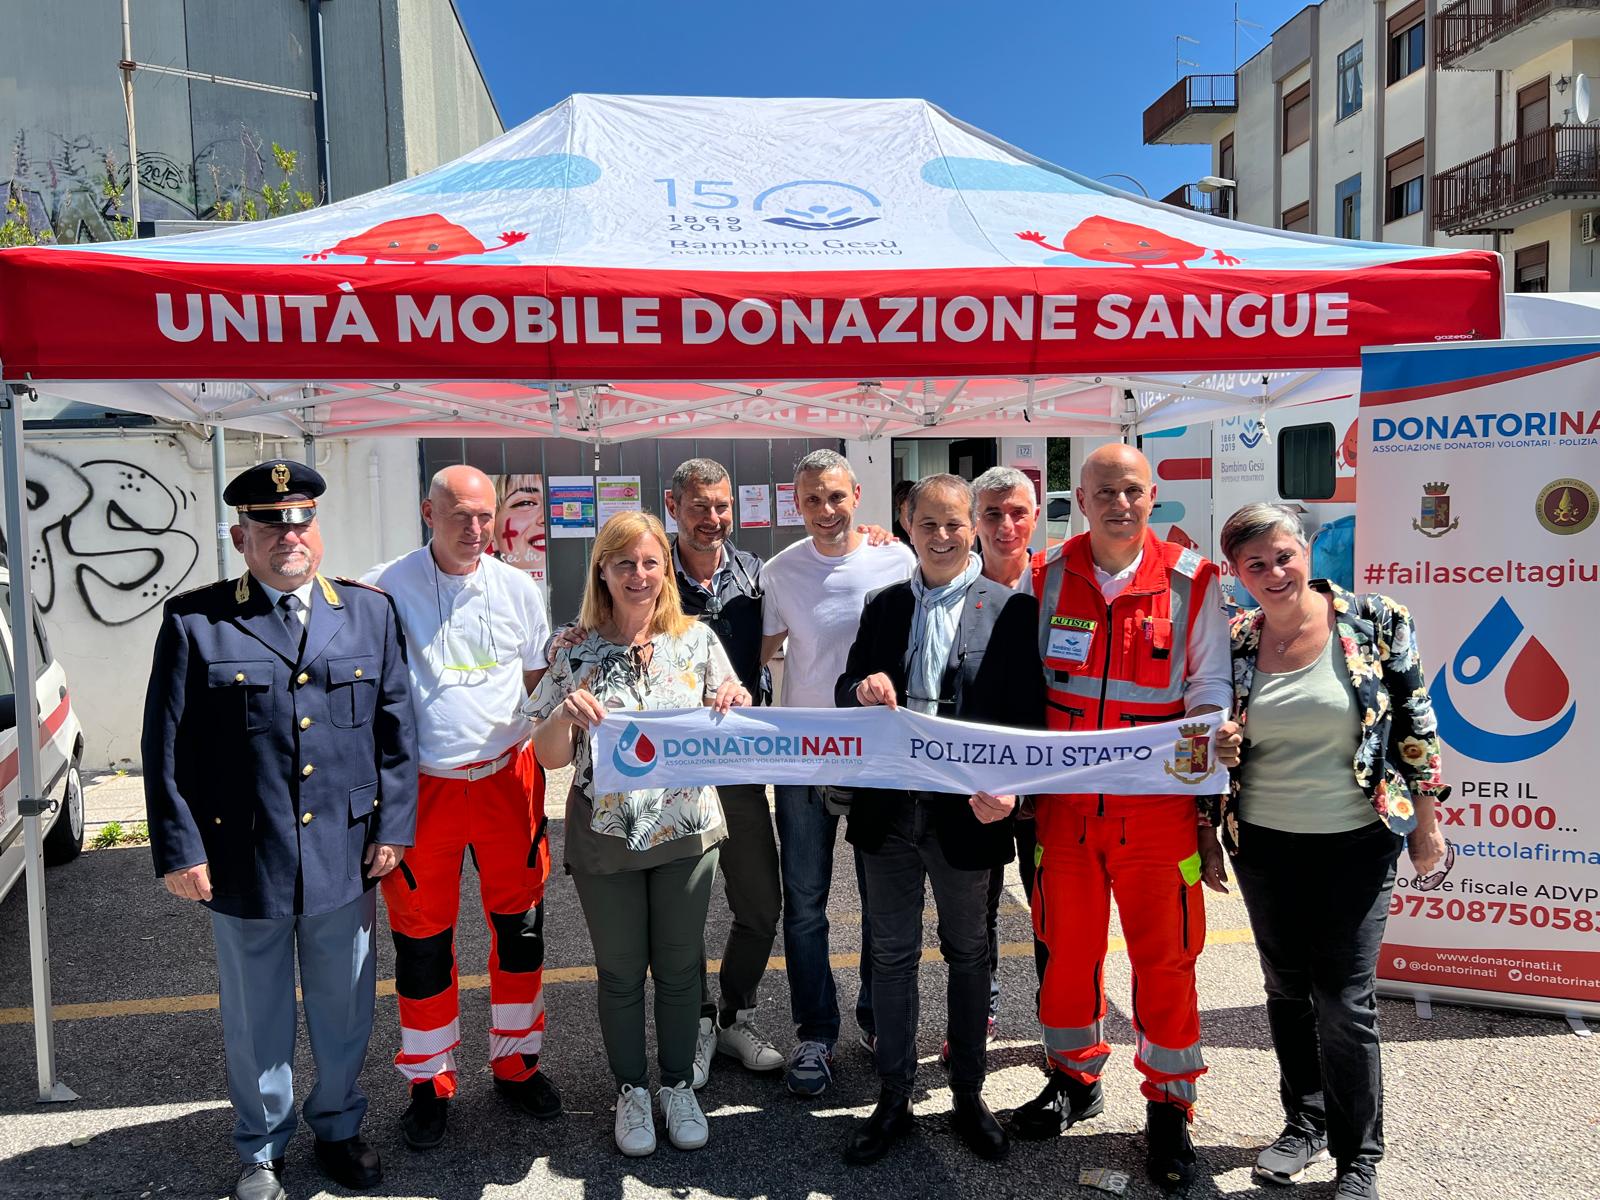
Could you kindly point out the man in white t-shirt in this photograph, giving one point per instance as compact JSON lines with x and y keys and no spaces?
{"x":815,"y":591}
{"x":476,"y":630}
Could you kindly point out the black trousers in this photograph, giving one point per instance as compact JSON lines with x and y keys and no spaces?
{"x":899,"y":874}
{"x":1318,"y":904}
{"x":1026,"y":844}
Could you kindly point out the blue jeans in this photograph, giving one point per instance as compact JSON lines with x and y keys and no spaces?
{"x":806,"y":836}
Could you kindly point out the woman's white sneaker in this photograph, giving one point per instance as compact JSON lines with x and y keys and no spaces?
{"x":743,"y":1041}
{"x":636,"y":1126}
{"x":680,"y":1110}
{"x":705,"y":1045}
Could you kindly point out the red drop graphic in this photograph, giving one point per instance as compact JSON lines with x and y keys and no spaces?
{"x":645,"y":750}
{"x":1536,"y":687}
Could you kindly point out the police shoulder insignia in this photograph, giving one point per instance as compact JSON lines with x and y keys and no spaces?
{"x":241,"y":589}
{"x":348,"y":582}
{"x":328,"y":594}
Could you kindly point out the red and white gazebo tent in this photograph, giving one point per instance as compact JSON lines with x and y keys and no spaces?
{"x":633,"y":267}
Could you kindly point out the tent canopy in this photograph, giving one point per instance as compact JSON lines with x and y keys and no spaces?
{"x":628,"y":266}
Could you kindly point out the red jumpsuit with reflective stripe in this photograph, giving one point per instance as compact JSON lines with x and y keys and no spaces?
{"x":500,"y":818}
{"x":1109,"y":665}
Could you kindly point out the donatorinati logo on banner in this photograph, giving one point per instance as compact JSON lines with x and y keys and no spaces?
{"x":884,"y":748}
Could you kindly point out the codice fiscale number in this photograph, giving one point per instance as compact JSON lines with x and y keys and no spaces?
{"x":1495,"y":912}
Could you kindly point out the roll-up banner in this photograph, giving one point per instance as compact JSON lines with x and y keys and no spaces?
{"x":1478,"y":470}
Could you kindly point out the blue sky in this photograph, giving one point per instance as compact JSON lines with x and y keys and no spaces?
{"x":1068,"y":80}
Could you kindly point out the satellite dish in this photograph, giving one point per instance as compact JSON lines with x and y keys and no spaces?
{"x":1580,"y":99}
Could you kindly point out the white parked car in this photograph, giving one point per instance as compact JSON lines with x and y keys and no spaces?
{"x":60,"y":753}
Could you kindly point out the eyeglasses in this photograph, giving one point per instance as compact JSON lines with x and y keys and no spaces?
{"x":1431,"y":881}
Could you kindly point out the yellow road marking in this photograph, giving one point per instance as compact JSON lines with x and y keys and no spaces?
{"x":166,"y":1005}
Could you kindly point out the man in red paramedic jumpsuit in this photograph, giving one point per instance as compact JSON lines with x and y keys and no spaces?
{"x":1131,"y":631}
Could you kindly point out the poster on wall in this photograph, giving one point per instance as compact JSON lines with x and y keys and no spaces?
{"x":519,"y":525}
{"x":571,"y":506}
{"x":788,"y":511}
{"x":617,"y":494}
{"x":1477,"y":509}
{"x":755,"y":506}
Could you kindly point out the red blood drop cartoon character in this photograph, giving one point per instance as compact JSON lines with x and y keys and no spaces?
{"x":423,"y":239}
{"x":1347,"y":448}
{"x":1102,"y":239}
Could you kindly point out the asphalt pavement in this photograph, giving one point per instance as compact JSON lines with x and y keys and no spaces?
{"x":1480,"y":1103}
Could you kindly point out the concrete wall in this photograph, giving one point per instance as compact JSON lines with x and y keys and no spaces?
{"x":446,"y":103}
{"x":404,"y":94}
{"x":121,"y":523}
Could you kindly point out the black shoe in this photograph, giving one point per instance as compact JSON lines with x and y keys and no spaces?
{"x":535,"y":1095}
{"x":261,"y":1181}
{"x":1356,"y":1182}
{"x":423,"y":1122}
{"x":350,"y":1163}
{"x":1064,"y":1102}
{"x":1287,"y":1159}
{"x":975,"y":1125}
{"x":889,"y":1122}
{"x":1169,"y":1153}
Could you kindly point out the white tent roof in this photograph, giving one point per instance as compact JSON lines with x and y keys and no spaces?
{"x":625,"y":267}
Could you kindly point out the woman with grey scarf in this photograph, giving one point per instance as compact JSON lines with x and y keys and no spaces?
{"x":950,"y":643}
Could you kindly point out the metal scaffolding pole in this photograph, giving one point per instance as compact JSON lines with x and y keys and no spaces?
{"x":31,"y":805}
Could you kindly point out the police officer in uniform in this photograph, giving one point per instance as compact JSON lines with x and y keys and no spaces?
{"x":280,"y":783}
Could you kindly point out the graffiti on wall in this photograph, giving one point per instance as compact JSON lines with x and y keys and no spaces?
{"x":60,"y":179}
{"x":108,"y":530}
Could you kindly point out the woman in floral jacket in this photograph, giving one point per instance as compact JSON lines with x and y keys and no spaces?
{"x":642,"y":861}
{"x":1335,"y":763}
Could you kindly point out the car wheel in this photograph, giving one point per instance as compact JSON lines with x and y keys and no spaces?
{"x":64,"y":842}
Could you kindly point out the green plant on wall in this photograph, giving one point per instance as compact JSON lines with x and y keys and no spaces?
{"x":275,"y":199}
{"x":17,"y":229}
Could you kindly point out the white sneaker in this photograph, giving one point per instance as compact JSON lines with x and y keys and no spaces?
{"x":705,"y":1045}
{"x":636,"y":1126}
{"x":686,"y":1124}
{"x":743,"y":1041}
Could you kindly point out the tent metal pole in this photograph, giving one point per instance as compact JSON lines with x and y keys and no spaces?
{"x":30,"y":804}
{"x":219,"y":471}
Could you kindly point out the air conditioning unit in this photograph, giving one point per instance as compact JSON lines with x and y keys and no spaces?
{"x":1589,"y":226}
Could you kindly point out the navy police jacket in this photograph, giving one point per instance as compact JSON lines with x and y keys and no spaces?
{"x":278,"y":769}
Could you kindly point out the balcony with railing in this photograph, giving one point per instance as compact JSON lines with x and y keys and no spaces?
{"x":1214,"y":204}
{"x":1192,"y":111}
{"x":1548,"y":171}
{"x":1488,"y":35}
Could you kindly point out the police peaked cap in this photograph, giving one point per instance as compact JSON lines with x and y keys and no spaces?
{"x":277,"y":492}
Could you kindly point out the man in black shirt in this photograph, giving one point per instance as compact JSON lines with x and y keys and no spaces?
{"x":721,"y":585}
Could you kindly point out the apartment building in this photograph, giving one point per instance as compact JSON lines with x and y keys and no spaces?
{"x":1393,"y":121}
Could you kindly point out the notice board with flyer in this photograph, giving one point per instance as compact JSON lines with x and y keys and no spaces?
{"x":1478,"y":468}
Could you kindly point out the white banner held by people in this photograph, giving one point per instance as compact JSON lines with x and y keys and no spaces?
{"x":895,"y":748}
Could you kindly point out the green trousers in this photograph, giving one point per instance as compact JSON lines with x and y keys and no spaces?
{"x":651,"y":919}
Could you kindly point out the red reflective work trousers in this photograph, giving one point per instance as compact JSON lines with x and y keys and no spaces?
{"x":501,"y":819}
{"x":1143,"y":853}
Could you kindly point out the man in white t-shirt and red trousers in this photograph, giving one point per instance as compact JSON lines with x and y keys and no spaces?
{"x":476,"y":629}
{"x":815,"y":591}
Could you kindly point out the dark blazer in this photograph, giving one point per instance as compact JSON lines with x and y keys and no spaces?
{"x":993,"y":676}
{"x":279,"y":768}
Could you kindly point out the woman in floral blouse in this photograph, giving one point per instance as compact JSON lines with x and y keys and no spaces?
{"x":1335,"y":764}
{"x":642,"y":861}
